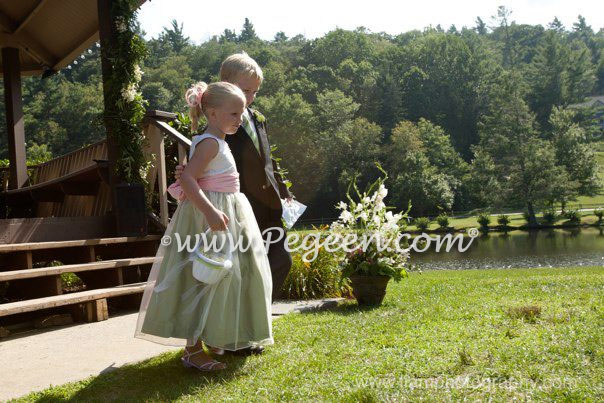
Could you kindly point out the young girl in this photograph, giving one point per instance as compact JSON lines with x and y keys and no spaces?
{"x":176,"y":308}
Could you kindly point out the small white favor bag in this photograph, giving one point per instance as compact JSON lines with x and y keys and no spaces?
{"x":292,"y":211}
{"x":210,"y":266}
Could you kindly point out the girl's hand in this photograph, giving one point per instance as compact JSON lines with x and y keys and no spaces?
{"x":178,"y":171}
{"x":217,"y":219}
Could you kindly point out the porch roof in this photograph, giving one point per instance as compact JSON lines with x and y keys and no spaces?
{"x":50,"y":34}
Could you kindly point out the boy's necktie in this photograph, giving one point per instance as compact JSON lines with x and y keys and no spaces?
{"x":247,"y":125}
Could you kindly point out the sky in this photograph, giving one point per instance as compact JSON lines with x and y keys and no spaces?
{"x":202,"y":19}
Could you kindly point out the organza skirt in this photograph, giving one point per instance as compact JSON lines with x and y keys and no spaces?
{"x":232,"y":314}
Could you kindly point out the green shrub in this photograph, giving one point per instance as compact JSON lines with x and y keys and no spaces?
{"x":503,"y":220}
{"x":549,"y":216}
{"x":70,"y":280}
{"x":599,"y":212}
{"x":484,"y":219}
{"x":443,"y":221}
{"x":573,"y":216}
{"x":526,"y":216}
{"x":422,"y":223}
{"x":319,"y":278}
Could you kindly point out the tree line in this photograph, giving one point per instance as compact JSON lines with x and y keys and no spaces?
{"x":459,"y":118}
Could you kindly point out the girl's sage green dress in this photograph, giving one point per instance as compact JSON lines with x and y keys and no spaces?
{"x":232,"y":314}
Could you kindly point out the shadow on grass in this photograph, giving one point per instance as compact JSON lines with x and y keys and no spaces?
{"x":160,"y":378}
{"x":346,"y":307}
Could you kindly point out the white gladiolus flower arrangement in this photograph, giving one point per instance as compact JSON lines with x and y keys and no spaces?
{"x":378,"y":230}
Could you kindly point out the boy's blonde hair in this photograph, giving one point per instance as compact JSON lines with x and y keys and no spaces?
{"x":240,"y":64}
{"x":202,"y":96}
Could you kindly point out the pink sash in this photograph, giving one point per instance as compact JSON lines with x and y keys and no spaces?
{"x":227,"y":183}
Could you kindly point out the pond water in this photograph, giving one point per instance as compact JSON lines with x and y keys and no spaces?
{"x":542,"y":248}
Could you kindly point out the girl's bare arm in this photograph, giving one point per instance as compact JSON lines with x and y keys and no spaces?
{"x":205,"y":151}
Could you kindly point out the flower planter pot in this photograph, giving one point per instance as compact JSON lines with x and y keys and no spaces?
{"x":369,"y":290}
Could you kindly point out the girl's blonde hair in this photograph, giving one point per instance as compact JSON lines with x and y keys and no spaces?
{"x":202,"y":96}
{"x":240,"y":64}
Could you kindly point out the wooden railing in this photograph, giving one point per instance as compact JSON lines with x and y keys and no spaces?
{"x":156,"y":129}
{"x":68,"y":163}
{"x":74,"y":202}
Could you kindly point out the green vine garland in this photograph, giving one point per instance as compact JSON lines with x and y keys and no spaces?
{"x":122,"y":83}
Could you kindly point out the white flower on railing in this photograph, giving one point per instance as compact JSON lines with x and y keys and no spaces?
{"x":120,"y":24}
{"x":129,"y":92}
{"x":138,"y":73}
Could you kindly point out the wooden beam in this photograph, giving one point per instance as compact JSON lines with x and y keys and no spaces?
{"x":29,"y":45}
{"x":29,"y":246}
{"x":170,"y":131}
{"x":74,"y":268}
{"x":7,"y":23}
{"x":14,"y":117}
{"x":12,"y":308}
{"x":32,"y":13}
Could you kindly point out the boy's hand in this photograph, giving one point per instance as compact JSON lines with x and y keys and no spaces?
{"x":178,"y":171}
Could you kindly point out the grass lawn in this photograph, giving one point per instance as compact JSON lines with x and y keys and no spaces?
{"x":441,"y":335}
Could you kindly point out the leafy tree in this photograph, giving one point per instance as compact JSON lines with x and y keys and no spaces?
{"x":574,"y":154}
{"x":280,"y":37}
{"x":247,"y":33}
{"x":334,"y":109}
{"x":292,"y":128}
{"x":439,"y":82}
{"x":174,"y":37}
{"x":548,"y":77}
{"x":419,"y":157}
{"x":481,"y":27}
{"x":525,"y":165}
{"x":580,"y":72}
{"x":585,"y":33}
{"x":228,"y":36}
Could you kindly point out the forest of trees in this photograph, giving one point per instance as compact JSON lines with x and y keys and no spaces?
{"x":459,"y":118}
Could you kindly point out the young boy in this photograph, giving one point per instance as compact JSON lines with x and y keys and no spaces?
{"x":259,"y":180}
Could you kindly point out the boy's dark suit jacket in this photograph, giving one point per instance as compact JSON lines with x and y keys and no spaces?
{"x":264,"y":188}
{"x":258,"y":178}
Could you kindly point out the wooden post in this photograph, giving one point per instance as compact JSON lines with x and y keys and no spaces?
{"x":96,"y":310}
{"x":182,"y":154}
{"x":14,"y":117}
{"x":156,"y":140}
{"x":107,"y":40}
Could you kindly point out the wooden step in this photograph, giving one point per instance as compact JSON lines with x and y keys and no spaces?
{"x":69,"y":299}
{"x":73,"y":268}
{"x":16,"y":247}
